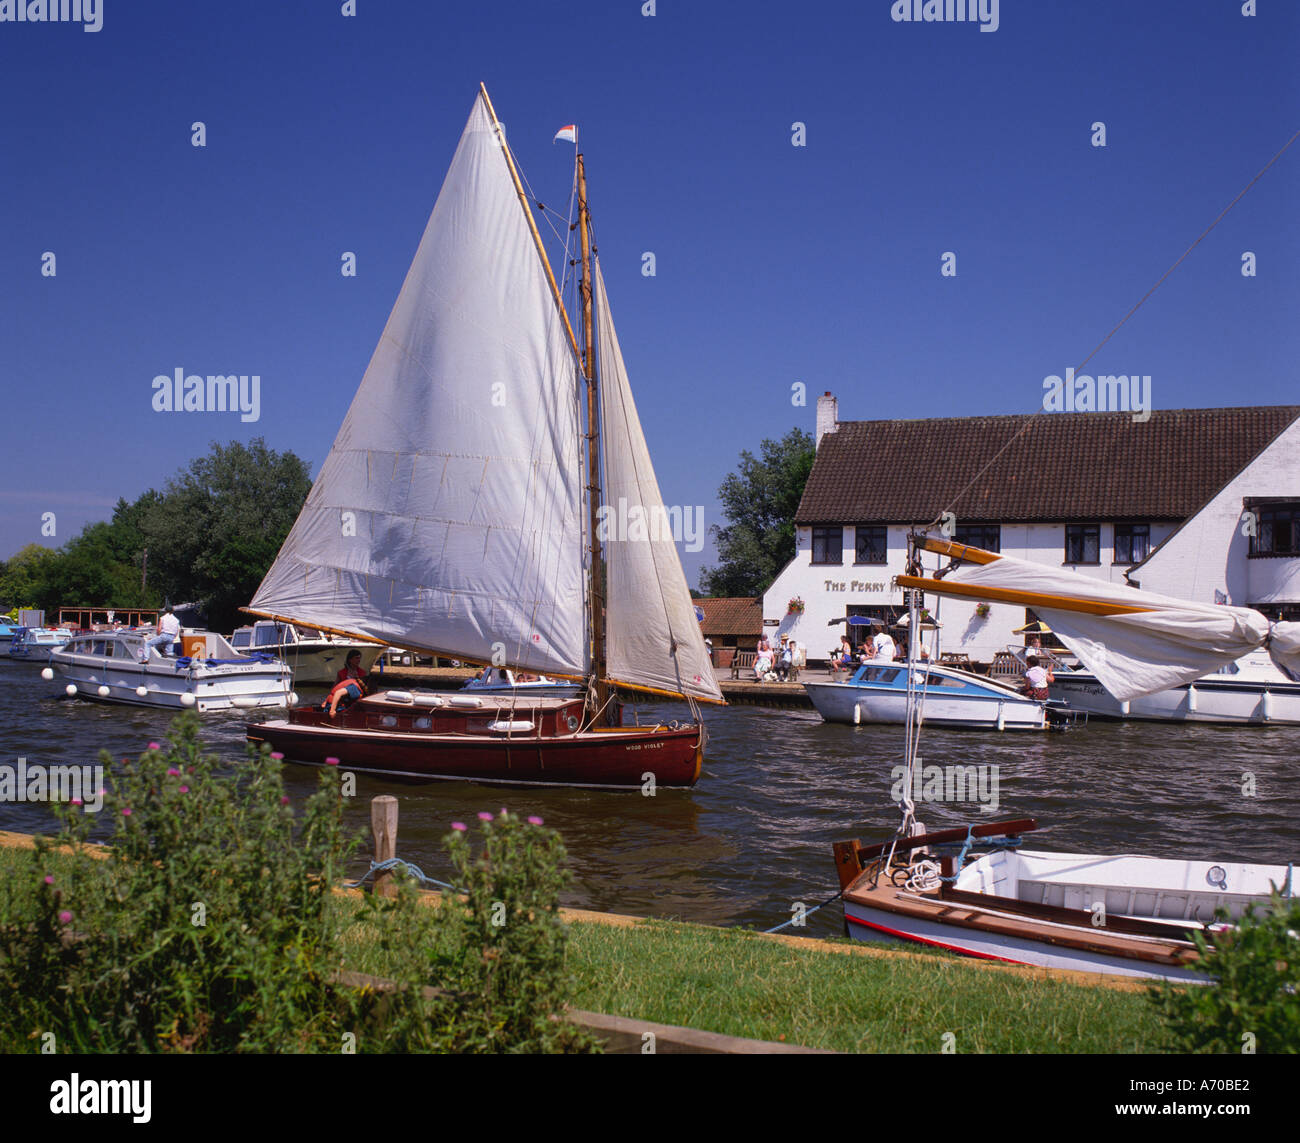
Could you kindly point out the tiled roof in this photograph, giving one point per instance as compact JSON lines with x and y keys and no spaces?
{"x":731,"y":615}
{"x":1064,"y":466}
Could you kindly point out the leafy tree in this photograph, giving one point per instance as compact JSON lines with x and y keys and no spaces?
{"x":26,"y":578}
{"x":216,"y":529}
{"x":760,"y":502}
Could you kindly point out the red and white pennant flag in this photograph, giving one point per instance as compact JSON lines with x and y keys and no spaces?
{"x":569,"y":134}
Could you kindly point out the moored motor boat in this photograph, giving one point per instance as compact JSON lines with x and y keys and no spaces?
{"x":34,"y":644}
{"x":120,"y":666}
{"x":501,"y":681}
{"x":878,"y":692}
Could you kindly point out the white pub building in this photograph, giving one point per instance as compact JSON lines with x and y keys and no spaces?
{"x":1201,"y":504}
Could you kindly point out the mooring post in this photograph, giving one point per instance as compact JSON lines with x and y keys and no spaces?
{"x":383,"y":824}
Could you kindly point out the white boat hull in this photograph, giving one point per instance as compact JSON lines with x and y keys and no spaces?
{"x":843,"y":702}
{"x":1228,"y":701}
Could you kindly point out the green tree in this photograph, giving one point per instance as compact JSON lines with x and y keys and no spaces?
{"x":89,"y":571}
{"x":218,"y":525}
{"x":759,"y":503}
{"x":26,"y":578}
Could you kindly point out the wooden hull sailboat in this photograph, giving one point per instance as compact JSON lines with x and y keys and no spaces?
{"x":542,"y":741}
{"x":461,"y":512}
{"x":972,"y":890}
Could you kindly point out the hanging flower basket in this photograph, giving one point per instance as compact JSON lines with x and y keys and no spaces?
{"x":982,"y":610}
{"x":795,"y":606}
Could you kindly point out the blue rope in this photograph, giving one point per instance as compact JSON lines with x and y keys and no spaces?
{"x":806,"y":913}
{"x":406,"y":867}
{"x":985,"y":843}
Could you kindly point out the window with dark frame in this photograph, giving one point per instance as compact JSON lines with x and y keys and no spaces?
{"x":828,"y":545}
{"x":1277,"y":529}
{"x":986,"y":536}
{"x":1083,"y":543}
{"x":872,"y":544}
{"x":1132,"y":543}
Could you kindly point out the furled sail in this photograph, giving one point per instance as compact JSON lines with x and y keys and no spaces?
{"x":653,"y":638}
{"x":1147,"y":642}
{"x":447,"y":515}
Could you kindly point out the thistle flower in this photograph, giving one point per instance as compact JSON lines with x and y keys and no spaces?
{"x":277,"y":755}
{"x":154,"y":746}
{"x":484,"y":816}
{"x":65,"y":917}
{"x":459,"y":826}
{"x":331,"y":761}
{"x":534,"y":820}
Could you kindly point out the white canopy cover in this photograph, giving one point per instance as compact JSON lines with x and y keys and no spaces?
{"x":447,"y":515}
{"x":1172,"y":643}
{"x":653,"y":638}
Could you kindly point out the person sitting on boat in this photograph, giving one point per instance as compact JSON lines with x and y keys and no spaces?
{"x":345,"y":693}
{"x":352,"y":668}
{"x":1036,"y":679}
{"x":884,"y":644}
{"x":169,"y":630}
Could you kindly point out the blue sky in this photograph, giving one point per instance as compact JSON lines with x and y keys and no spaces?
{"x":775,"y":264}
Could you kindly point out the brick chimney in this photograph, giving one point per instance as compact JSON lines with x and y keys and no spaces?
{"x":828,"y":416}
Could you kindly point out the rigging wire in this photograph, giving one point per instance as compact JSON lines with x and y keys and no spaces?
{"x":1181,"y":258}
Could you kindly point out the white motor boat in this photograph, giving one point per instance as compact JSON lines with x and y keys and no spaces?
{"x":499,"y":681}
{"x":878,"y":692}
{"x":120,"y":666}
{"x":34,"y":644}
{"x":314,"y":656}
{"x":1250,"y":691}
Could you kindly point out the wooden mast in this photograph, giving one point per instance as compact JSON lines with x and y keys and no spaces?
{"x":596,"y":593}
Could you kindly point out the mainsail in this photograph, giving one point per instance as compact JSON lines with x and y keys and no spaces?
{"x":653,"y":638}
{"x":447,"y":515}
{"x":1135,"y":642}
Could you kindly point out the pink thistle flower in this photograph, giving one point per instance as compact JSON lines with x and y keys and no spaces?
{"x":534,"y":820}
{"x":284,"y":801}
{"x":65,"y":917}
{"x":277,"y":755}
{"x":184,"y":790}
{"x":460,"y":827}
{"x":76,"y":801}
{"x":331,"y":761}
{"x":172,"y":772}
{"x":49,"y":880}
{"x":154,"y":746}
{"x":484,"y":816}
{"x":504,"y":813}
{"x":126,"y":811}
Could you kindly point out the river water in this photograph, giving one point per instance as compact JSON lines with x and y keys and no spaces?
{"x":779,"y":786}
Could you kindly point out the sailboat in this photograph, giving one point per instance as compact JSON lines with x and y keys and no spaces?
{"x":974,"y":890}
{"x":461,"y":511}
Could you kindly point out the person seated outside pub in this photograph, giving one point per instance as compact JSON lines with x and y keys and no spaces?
{"x":1037,"y":679}
{"x":885,"y":647}
{"x":784,"y":658}
{"x":842,"y":658}
{"x":762,"y":659}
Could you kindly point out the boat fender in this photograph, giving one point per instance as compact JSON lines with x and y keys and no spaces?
{"x":47,"y":674}
{"x":293,"y":698}
{"x":142,"y":691}
{"x":243,"y":702}
{"x":1267,"y":704}
{"x":857,"y":714}
{"x":103,"y":691}
{"x":467,"y":701}
{"x":399,"y":696}
{"x":1002,"y":715}
{"x":1191,"y":699}
{"x":506,"y":726}
{"x":188,"y":699}
{"x":70,"y":690}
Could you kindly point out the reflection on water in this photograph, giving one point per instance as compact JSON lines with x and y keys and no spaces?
{"x":778,"y":788}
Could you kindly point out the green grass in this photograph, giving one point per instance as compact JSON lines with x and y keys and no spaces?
{"x":740,"y":984}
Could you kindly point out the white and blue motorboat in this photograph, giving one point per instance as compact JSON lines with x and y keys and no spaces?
{"x":946,"y":696}
{"x":499,"y":681}
{"x":205,"y":672}
{"x":34,"y":644}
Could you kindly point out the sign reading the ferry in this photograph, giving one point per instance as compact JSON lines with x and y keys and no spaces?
{"x":856,"y":585}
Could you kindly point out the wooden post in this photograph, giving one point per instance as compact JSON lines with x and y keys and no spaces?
{"x":383,"y":824}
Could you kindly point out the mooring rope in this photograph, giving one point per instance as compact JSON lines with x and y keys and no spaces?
{"x":406,"y":867}
{"x":807,"y":912}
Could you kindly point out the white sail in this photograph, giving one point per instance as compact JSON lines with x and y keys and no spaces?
{"x":447,"y":515}
{"x":652,"y":636}
{"x":1172,"y":642}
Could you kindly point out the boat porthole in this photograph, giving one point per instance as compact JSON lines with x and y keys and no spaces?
{"x":423,"y":723}
{"x":389,"y":720}
{"x":573,"y":722}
